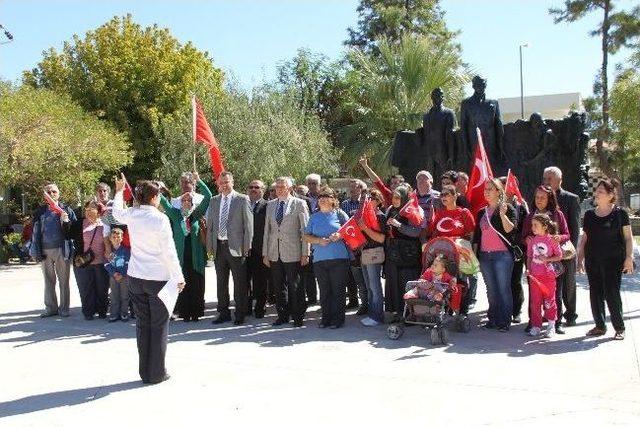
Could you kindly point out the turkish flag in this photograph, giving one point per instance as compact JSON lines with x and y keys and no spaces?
{"x":351,"y":234}
{"x":203,"y":134}
{"x":480,"y":173}
{"x":512,"y":186}
{"x":368,"y":214}
{"x":412,"y":210}
{"x":128,"y":192}
{"x":53,"y":205}
{"x":547,"y":289}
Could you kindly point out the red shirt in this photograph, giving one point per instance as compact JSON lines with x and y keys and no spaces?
{"x":452,"y":223}
{"x":429,"y":276}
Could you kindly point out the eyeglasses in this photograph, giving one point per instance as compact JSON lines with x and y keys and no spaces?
{"x":254,"y":187}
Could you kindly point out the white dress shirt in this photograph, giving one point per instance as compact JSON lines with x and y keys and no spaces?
{"x":153,"y":252}
{"x":228,"y":198}
{"x":196,"y":199}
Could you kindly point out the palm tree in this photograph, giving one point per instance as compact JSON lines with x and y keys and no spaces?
{"x":391,"y":91}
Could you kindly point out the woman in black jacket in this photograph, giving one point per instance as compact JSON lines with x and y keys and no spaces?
{"x":493,"y":241}
{"x":402,"y":252}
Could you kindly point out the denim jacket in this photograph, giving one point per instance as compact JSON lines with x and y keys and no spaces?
{"x":36,"y":238}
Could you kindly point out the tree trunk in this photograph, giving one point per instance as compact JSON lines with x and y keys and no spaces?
{"x":602,"y":153}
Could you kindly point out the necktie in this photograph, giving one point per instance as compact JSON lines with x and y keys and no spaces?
{"x":224,"y":216}
{"x":280,"y":212}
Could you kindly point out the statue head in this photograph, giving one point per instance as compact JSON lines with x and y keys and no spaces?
{"x":537,"y":123}
{"x":479,"y":85}
{"x":437,"y":96}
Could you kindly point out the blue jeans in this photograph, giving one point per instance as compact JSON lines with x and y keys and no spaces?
{"x":371,"y":274}
{"x":496,"y":268}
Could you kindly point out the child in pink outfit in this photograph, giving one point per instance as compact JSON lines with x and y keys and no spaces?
{"x":542,"y":250}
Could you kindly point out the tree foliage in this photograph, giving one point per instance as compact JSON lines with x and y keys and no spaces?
{"x":45,"y":136}
{"x":617,"y":29}
{"x":625,"y":118}
{"x":393,"y":19}
{"x":132,"y":76}
{"x":391,"y":91}
{"x":261,"y":136}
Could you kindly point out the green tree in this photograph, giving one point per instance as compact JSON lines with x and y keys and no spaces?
{"x":625,"y":119}
{"x":45,"y":136}
{"x":616,"y":30}
{"x":133,"y":77}
{"x":261,"y":136}
{"x":391,"y":91}
{"x":392,"y":19}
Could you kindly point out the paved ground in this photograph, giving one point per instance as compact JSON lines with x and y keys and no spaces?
{"x":72,"y":372}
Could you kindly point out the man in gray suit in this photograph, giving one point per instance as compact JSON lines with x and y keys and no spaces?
{"x":285,"y":252}
{"x":229,"y":236}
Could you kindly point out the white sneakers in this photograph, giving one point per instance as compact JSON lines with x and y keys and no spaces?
{"x":548,"y":332}
{"x":367,"y":321}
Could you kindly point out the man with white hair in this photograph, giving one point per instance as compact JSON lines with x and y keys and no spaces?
{"x":53,"y":249}
{"x":313,"y":181}
{"x":569,"y":205}
{"x":187,"y":185}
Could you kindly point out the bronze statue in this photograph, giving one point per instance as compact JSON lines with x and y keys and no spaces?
{"x":479,"y":112}
{"x":546,"y":144}
{"x":438,"y":139}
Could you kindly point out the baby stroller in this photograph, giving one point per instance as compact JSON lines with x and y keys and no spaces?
{"x":436,"y":301}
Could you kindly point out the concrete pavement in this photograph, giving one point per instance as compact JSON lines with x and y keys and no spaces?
{"x":72,"y":372}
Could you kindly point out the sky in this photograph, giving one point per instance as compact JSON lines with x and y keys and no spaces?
{"x":249,"y":38}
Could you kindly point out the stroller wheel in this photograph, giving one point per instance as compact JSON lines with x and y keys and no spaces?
{"x":435,"y":337}
{"x":395,"y":331}
{"x":463,"y":324}
{"x":444,"y":336}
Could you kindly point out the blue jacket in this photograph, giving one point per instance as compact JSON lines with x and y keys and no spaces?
{"x":36,"y":238}
{"x":119,"y":261}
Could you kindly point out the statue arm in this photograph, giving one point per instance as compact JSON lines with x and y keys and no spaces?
{"x":464,"y":119}
{"x":499,"y":129}
{"x":451,"y":124}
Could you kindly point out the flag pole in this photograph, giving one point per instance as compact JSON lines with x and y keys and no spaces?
{"x":193,"y":128}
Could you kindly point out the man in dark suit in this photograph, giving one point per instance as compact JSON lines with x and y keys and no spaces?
{"x":258,"y":272}
{"x":306,"y":275}
{"x":229,"y":238}
{"x":569,"y":204}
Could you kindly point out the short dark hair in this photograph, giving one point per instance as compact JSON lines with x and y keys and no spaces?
{"x":396,"y":176}
{"x":449,"y":189}
{"x":146,"y":191}
{"x":451,"y":175}
{"x":545,"y":220}
{"x":609,"y":186}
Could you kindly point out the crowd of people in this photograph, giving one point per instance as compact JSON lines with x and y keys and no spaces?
{"x":283,"y":242}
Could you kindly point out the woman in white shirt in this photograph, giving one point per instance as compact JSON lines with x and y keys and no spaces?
{"x":153,"y":262}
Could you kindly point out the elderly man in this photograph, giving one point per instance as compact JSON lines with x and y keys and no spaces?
{"x":229,"y":238}
{"x":356,"y":286}
{"x":187,"y":185}
{"x":258,"y":272}
{"x":284,"y":251}
{"x":313,"y":181}
{"x":569,"y":205}
{"x":52,"y":246}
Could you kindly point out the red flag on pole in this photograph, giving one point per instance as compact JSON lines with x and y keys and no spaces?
{"x":127,"y":195}
{"x":53,"y":205}
{"x":369,"y":216}
{"x":412,"y":210}
{"x":203,"y":134}
{"x":351,"y":234}
{"x":480,"y":173}
{"x":512,"y":186}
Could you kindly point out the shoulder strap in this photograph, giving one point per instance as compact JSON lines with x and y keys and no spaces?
{"x":504,"y":239}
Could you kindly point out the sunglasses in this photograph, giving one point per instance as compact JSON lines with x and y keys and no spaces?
{"x":254,"y":187}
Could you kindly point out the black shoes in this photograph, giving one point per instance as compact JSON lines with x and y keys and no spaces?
{"x":516,"y":319}
{"x":238,"y":322}
{"x":88,"y":317}
{"x":48,"y":314}
{"x":259,"y":314}
{"x":221,"y":319}
{"x":570,"y":323}
{"x":297,"y":323}
{"x":559,"y":330}
{"x":279,"y":322}
{"x":352,"y":304}
{"x":163,"y":379}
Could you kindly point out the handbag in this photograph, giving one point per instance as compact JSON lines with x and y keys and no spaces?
{"x":87,"y":257}
{"x":568,"y":250}
{"x":372,"y":256}
{"x":516,"y":251}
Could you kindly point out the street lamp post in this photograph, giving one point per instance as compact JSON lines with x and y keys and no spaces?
{"x":521,"y":83}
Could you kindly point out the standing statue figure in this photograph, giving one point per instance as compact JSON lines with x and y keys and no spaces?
{"x":548,"y":151}
{"x":438,"y":140}
{"x":479,"y":112}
